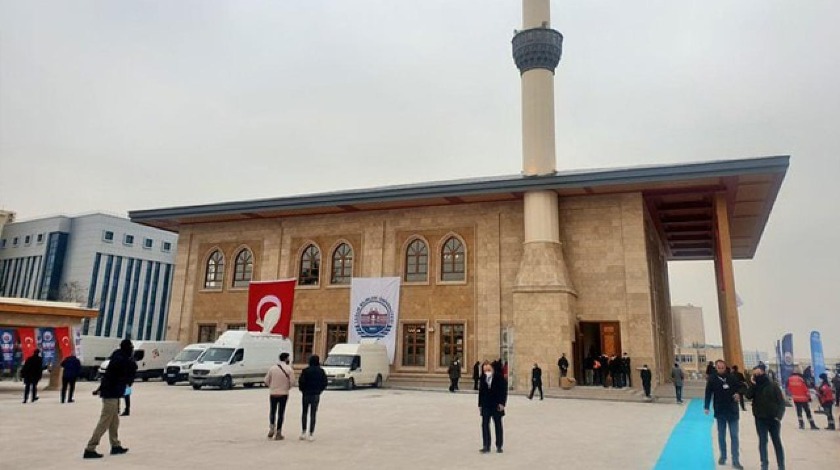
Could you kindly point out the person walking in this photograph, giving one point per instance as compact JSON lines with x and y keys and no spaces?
{"x":536,"y":381}
{"x":279,"y":380}
{"x":71,"y":369}
{"x":492,"y":398}
{"x":725,"y":391}
{"x":646,"y":379}
{"x":476,"y":374}
{"x":836,"y":382}
{"x":798,"y":389}
{"x":742,"y":381}
{"x":627,"y":371}
{"x":678,"y":378}
{"x":312,"y":382}
{"x":768,"y":407}
{"x":563,"y":364}
{"x":31,"y":373}
{"x":826,"y":396}
{"x":454,"y":375}
{"x":120,"y":371}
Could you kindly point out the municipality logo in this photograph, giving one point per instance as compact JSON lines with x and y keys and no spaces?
{"x":7,"y":337}
{"x":374,"y":318}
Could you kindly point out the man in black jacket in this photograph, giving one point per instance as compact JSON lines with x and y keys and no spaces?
{"x":313,"y":381}
{"x":492,"y":398}
{"x":120,"y":372}
{"x":536,"y":381}
{"x":646,"y":379}
{"x":31,"y":373}
{"x":726,"y":392}
{"x":72,"y":369}
{"x":768,"y":406}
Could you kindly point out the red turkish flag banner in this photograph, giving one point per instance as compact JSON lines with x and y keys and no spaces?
{"x":28,"y":344}
{"x":270,"y":306}
{"x":65,"y":343}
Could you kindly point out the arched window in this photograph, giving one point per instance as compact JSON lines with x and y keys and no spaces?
{"x":453,"y":260}
{"x":416,"y":261}
{"x":215,"y":273}
{"x":342,"y":264}
{"x":310,"y":266}
{"x":243,"y":268}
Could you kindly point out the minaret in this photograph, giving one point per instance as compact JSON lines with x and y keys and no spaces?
{"x":543,"y":293}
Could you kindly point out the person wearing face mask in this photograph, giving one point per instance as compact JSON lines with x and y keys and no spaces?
{"x":768,"y":406}
{"x":725,"y":390}
{"x":492,"y":398}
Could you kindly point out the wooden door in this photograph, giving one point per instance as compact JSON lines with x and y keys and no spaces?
{"x":610,"y":339}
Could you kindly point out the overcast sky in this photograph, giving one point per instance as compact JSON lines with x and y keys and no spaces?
{"x":123,"y":105}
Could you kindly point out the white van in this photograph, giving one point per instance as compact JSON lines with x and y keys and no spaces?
{"x":178,"y":369}
{"x":92,"y":351}
{"x":365,"y":363}
{"x":151,"y":358}
{"x":238,"y":357}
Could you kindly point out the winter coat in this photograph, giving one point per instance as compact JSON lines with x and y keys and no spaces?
{"x":455,"y":370}
{"x":678,"y":376}
{"x":825,"y":393}
{"x":490,"y":397}
{"x":118,"y":375}
{"x":563,"y":364}
{"x":536,"y":376}
{"x":32,"y":369}
{"x":646,"y":376}
{"x":279,"y":379}
{"x":313,"y":379}
{"x":72,"y":368}
{"x":767,"y":399}
{"x":722,"y":388}
{"x":798,"y":389}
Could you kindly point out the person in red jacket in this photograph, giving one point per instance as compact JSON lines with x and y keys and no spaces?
{"x":826,"y":395}
{"x":801,"y":398}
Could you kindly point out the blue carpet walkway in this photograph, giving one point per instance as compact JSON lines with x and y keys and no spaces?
{"x":690,"y":445}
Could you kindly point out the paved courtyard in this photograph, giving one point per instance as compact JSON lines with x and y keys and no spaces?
{"x":177,"y":427}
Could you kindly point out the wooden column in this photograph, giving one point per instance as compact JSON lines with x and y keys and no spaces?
{"x":725,"y":277}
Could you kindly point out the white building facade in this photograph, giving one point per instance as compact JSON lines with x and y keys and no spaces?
{"x":101,"y":261}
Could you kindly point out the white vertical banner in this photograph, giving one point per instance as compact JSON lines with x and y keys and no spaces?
{"x":374,"y":311}
{"x":77,"y":342}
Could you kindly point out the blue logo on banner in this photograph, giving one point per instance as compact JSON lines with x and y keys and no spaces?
{"x":47,"y":341}
{"x":817,"y":357}
{"x":374,"y":318}
{"x":7,"y":348}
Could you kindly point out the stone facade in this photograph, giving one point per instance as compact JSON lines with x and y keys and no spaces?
{"x":612,"y":263}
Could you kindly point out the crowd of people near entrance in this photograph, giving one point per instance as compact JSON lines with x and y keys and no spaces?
{"x":607,"y":371}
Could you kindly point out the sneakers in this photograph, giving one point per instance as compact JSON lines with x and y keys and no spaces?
{"x":311,"y":437}
{"x":484,"y":450}
{"x":278,"y":436}
{"x":91,"y":454}
{"x":125,"y":413}
{"x":270,"y":432}
{"x":722,"y":461}
{"x":118,"y":450}
{"x":499,"y":450}
{"x":302,"y":436}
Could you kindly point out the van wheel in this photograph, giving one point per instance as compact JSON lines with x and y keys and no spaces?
{"x":378,"y":383}
{"x":351,"y":384}
{"x":170,"y":382}
{"x":227,"y":383}
{"x":196,"y":387}
{"x":248,"y":385}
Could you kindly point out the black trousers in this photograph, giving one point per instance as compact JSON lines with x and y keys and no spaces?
{"x":27,"y":385}
{"x":828,"y":412}
{"x":310,"y":405}
{"x":534,"y":386}
{"x":67,"y":385}
{"x":646,"y":386}
{"x":277,"y":410}
{"x":475,"y":383}
{"x":453,"y":385}
{"x":485,"y":429}
{"x":773,"y":427}
{"x":800,"y":407}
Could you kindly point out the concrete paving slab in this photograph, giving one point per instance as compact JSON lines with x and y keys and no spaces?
{"x":177,"y":427}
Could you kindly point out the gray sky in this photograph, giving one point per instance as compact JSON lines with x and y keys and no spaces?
{"x":118,"y":105}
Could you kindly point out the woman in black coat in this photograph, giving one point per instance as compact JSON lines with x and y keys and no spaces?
{"x":492,"y":398}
